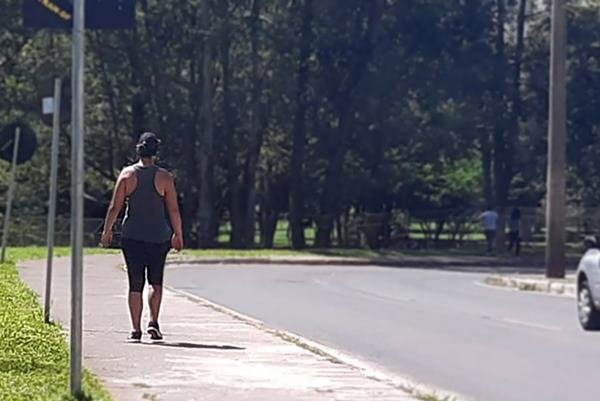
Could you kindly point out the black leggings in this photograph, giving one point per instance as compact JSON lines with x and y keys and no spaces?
{"x":143,"y":256}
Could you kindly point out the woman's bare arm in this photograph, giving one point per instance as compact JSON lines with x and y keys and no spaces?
{"x":173,"y":211}
{"x":116,"y":204}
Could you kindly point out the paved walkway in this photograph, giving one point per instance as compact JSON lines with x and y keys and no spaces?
{"x":208,"y":354}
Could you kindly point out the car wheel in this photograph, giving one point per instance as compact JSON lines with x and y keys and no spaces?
{"x":589,"y":315}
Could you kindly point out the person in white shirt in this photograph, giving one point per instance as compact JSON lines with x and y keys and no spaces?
{"x":489,"y":219}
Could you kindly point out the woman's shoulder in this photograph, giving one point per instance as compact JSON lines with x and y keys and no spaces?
{"x":128,"y":171}
{"x":163,"y":172}
{"x":163,"y":176}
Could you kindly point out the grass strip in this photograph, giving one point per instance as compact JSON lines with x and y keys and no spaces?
{"x":21,"y":253}
{"x":467,"y":251}
{"x":34,"y":356}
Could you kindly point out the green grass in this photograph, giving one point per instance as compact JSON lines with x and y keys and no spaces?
{"x":333,"y":252}
{"x":236,"y":253}
{"x":19,"y":253}
{"x":266,"y":253}
{"x":34,"y":357}
{"x":536,"y":250}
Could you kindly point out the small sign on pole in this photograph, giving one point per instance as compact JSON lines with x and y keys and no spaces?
{"x":48,"y":105}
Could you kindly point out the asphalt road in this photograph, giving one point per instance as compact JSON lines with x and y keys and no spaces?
{"x":437,"y":327}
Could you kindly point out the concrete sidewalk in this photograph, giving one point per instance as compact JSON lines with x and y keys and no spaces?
{"x":208,"y":353}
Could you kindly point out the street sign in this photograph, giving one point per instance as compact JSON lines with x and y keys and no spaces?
{"x":27,"y":147}
{"x":99,"y":14}
{"x":48,"y":105}
{"x":45,"y":89}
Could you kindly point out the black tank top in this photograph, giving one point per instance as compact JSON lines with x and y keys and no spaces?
{"x":146,"y":217}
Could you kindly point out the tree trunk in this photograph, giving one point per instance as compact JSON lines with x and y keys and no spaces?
{"x":519,"y":49}
{"x":268,"y":228}
{"x":439,"y":229}
{"x":299,"y":130}
{"x":331,"y":196}
{"x":137,"y":115}
{"x":502,"y":141}
{"x":113,"y":133}
{"x":236,"y":218}
{"x":269,"y":216}
{"x":517,"y":102}
{"x":137,"y":99}
{"x":331,"y":192}
{"x":339,"y":231}
{"x":155,"y":84}
{"x":205,"y":198}
{"x":501,"y":151}
{"x":324,"y":225}
{"x":255,"y":137}
{"x":486,"y":162}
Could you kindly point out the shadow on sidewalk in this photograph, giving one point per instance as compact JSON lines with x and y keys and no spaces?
{"x":197,"y":346}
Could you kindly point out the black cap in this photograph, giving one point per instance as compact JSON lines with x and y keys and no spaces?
{"x":149,"y":138}
{"x":147,"y":145}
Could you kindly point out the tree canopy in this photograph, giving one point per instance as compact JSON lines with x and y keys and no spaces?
{"x":315,"y":110}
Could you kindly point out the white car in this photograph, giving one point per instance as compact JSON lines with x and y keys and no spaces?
{"x":588,"y":287}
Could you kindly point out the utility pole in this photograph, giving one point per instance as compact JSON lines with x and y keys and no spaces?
{"x":52,"y":196}
{"x":77,"y":181}
{"x":557,"y":138}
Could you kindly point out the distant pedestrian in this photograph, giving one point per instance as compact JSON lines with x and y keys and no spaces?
{"x":151,"y":227}
{"x":489,"y":220}
{"x":514,"y":231}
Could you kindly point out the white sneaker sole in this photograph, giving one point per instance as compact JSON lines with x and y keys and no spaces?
{"x":153,"y":332}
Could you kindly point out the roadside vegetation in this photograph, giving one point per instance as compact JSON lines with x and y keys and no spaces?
{"x":34,"y":356}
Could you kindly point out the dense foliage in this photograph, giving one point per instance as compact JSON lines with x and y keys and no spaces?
{"x":317,"y":110}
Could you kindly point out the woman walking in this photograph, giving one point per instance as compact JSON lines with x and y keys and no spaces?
{"x":151,"y":227}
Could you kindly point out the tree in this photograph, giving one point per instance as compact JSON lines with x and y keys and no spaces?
{"x":326,"y":111}
{"x":299,"y":129}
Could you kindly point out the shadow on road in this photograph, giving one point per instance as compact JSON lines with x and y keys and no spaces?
{"x":197,"y":346}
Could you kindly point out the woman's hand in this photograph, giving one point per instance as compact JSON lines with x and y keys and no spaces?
{"x":177,"y":242}
{"x":107,"y":238}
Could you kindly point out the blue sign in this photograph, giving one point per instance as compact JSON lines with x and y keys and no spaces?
{"x":99,"y":14}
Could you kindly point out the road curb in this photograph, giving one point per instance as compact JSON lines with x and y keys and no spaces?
{"x":418,"y":390}
{"x":424,"y":262}
{"x":562,"y":287}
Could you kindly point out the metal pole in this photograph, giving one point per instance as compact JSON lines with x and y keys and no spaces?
{"x":52,"y":196}
{"x":11,"y":193}
{"x":557,"y":138}
{"x":77,"y":180}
